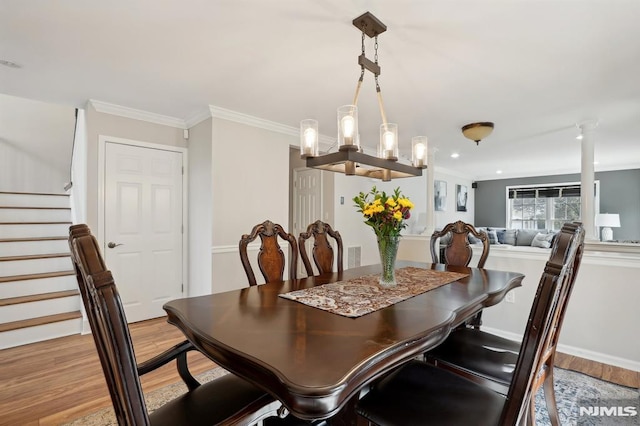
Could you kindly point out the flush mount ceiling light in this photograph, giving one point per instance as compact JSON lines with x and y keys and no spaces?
{"x":350,"y":158}
{"x":477,"y":131}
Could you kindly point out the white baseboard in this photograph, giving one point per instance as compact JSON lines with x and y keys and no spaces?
{"x":575,"y":351}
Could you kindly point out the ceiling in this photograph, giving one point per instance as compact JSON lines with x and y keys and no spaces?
{"x":535,"y":68}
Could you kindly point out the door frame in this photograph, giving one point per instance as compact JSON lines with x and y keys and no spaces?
{"x":102,"y":155}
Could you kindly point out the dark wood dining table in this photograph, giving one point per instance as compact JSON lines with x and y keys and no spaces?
{"x":315,"y":361}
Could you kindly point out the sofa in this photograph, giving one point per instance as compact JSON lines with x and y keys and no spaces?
{"x":540,"y":238}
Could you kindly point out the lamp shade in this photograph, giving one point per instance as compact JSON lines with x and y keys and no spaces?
{"x":611,"y":220}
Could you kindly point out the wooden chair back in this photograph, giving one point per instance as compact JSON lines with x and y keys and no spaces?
{"x":458,"y":251}
{"x":322,"y":251}
{"x":548,"y":308}
{"x":109,"y":327}
{"x":271,"y":258}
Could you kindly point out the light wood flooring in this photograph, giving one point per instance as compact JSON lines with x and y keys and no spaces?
{"x":50,"y":383}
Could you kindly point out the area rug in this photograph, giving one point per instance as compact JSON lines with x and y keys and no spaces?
{"x":154,"y":399}
{"x":585,"y":401}
{"x":572,"y":390}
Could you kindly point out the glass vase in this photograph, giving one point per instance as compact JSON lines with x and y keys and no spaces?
{"x":388,"y":247}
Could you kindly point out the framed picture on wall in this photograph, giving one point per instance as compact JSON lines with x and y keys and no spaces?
{"x":461,"y":198}
{"x":440,"y":195}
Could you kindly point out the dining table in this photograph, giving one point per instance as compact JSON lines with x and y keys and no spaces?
{"x":317,"y":362}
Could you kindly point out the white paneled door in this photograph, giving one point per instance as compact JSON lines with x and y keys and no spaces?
{"x":307,"y":205}
{"x":143,"y":226}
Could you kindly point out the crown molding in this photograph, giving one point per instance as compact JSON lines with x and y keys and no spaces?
{"x":137,"y":114}
{"x":210,"y":111}
{"x":238,"y":117}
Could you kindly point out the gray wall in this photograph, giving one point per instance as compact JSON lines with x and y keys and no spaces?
{"x":619,"y":193}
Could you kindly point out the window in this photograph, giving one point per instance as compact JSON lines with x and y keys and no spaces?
{"x":543,"y":206}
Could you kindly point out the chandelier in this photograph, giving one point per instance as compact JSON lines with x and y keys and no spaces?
{"x":350,"y":158}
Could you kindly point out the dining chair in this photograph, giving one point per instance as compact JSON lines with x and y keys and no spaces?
{"x":458,"y":252}
{"x":271,"y":258}
{"x":322,"y":251}
{"x":489,"y":359}
{"x":419,"y":393}
{"x":225,"y":400}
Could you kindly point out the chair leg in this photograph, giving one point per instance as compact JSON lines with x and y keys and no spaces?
{"x":185,"y":374}
{"x":550,"y":397}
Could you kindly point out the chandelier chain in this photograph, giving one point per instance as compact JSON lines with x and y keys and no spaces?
{"x":375,"y":50}
{"x":363,"y":51}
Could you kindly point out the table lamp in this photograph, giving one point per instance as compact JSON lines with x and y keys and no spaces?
{"x":607,"y":221}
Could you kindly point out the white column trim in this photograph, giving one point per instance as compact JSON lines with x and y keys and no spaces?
{"x":587,"y":180}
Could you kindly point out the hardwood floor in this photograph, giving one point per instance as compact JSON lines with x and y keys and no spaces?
{"x":53,"y":382}
{"x":50,"y":383}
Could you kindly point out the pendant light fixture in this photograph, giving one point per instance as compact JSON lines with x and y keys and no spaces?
{"x":350,"y":158}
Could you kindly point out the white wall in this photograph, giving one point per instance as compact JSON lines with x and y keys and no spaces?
{"x":79,"y":189}
{"x":602,"y":316}
{"x":200,"y":208}
{"x":250,"y":185}
{"x":351,"y":225}
{"x":36,"y":140}
{"x":349,"y":222}
{"x":450,"y":214}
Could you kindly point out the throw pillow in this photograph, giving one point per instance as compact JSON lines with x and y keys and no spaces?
{"x":500,"y":235}
{"x":509,"y":237}
{"x":525,"y":236}
{"x":542,"y":240}
{"x":493,"y":237}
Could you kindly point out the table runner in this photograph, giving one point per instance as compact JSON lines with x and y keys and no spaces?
{"x":363,"y":295}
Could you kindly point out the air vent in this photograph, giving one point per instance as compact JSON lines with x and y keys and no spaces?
{"x":354,"y":256}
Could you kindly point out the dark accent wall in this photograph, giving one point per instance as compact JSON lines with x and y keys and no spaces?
{"x":619,"y":193}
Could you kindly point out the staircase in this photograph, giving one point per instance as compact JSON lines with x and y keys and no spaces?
{"x":39,"y":297}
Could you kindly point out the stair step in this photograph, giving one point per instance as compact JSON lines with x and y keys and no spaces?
{"x":38,"y":297}
{"x":36,"y":223}
{"x":40,"y":306}
{"x":34,"y":214}
{"x":19,"y":240}
{"x":33,"y":256}
{"x":35,"y":276}
{"x":38,"y":333}
{"x":32,"y":322}
{"x":37,"y":286}
{"x":22,"y":265}
{"x":34,"y":247}
{"x":34,"y":229}
{"x":25,"y":199}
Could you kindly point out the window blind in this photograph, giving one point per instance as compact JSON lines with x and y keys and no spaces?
{"x":545,"y":191}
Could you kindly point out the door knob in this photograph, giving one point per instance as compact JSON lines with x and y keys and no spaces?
{"x":113,"y":245}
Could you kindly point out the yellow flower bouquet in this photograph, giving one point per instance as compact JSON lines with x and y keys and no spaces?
{"x":386,"y":214}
